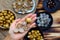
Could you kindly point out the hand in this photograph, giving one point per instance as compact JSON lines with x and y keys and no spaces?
{"x":19,"y":36}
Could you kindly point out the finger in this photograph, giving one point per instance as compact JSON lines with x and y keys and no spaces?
{"x":23,"y":34}
{"x":19,"y":35}
{"x":34,"y":15}
{"x":17,"y":20}
{"x":29,"y":15}
{"x":33,"y":20}
{"x":33,"y":25}
{"x":14,"y":23}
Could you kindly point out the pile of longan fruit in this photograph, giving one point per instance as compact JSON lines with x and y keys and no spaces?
{"x":6,"y":18}
{"x":35,"y":35}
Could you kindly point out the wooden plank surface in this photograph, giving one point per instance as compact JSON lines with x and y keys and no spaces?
{"x":50,"y":34}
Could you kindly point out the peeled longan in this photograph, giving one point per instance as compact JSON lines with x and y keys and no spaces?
{"x":16,"y":10}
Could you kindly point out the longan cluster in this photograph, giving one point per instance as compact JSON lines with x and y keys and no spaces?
{"x":6,"y":18}
{"x":35,"y":35}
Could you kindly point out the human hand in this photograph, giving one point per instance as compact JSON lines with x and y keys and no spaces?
{"x":20,"y":36}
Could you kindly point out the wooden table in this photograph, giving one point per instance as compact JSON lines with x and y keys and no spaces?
{"x":51,"y":34}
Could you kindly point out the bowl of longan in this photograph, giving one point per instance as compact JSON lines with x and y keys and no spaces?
{"x":6,"y":18}
{"x":34,"y":34}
